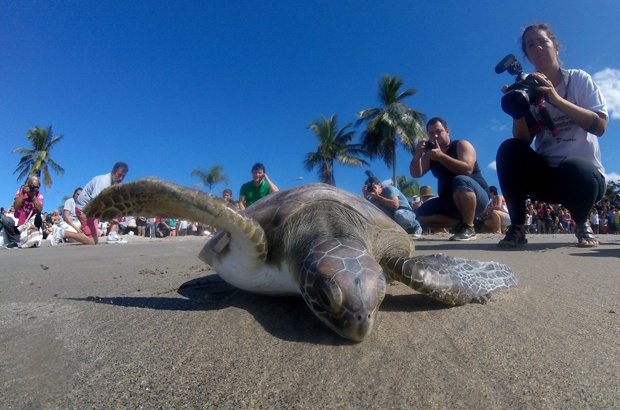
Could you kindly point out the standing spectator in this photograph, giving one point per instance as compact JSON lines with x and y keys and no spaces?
{"x":90,"y":226}
{"x":566,"y":219}
{"x":611,"y":220}
{"x":152,"y":224}
{"x":603,"y":224}
{"x":132,"y":226}
{"x":565,"y":166}
{"x":183,"y":224}
{"x":103,"y":228}
{"x":540,"y":220}
{"x":549,"y":218}
{"x":259,"y":187}
{"x":595,"y":221}
{"x":123,"y":223}
{"x":172,"y":224}
{"x":28,"y":201}
{"x":141,"y":225}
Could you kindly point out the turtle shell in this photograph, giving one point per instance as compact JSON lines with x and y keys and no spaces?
{"x":296,"y":219}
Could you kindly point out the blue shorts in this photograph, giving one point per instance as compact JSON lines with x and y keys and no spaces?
{"x":447,"y":207}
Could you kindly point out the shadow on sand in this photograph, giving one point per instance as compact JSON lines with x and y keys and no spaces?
{"x":287,"y":318}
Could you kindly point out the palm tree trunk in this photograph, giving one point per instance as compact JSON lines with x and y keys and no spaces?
{"x":394,"y":179}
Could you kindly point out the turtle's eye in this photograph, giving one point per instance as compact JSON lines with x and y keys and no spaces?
{"x":336,"y":294}
{"x":331,"y":297}
{"x":325,"y":300}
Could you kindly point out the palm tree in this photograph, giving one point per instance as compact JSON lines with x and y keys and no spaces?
{"x":408,"y":186}
{"x":212,"y":177}
{"x":37,"y":160}
{"x":333,"y":144}
{"x":394,"y":119}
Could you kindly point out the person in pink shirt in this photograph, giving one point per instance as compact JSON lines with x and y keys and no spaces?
{"x":28,"y":201}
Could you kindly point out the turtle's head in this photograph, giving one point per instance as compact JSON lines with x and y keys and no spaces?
{"x":344,"y":286}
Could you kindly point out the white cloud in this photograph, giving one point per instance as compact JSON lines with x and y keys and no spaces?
{"x":613,"y":177}
{"x":499,"y":128}
{"x":493,"y":166}
{"x":608,"y":81}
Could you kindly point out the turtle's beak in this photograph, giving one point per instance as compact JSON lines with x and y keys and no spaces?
{"x":357,"y":328}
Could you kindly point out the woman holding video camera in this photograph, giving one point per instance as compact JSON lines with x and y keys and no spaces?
{"x":566,"y":168}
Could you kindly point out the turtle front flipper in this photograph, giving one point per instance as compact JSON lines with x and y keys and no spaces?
{"x":454,"y":281}
{"x":155,"y":197}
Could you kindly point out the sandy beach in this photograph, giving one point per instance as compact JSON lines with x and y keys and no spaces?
{"x":148,"y":325}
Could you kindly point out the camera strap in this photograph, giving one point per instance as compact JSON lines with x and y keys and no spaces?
{"x":566,"y":81}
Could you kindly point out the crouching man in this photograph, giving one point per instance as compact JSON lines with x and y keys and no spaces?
{"x":393,"y":203}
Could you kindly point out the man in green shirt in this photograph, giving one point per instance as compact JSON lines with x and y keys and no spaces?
{"x":260,"y":186}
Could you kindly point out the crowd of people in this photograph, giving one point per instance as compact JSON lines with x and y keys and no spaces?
{"x":72,"y":226}
{"x":563,"y":129}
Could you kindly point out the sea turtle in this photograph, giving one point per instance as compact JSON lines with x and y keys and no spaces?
{"x":326,"y":244}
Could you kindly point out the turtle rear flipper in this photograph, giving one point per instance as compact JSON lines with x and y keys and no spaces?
{"x":454,"y":281}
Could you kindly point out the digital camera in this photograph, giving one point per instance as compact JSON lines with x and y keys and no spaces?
{"x":371,"y":185}
{"x":523,"y":93}
{"x":430,"y":144}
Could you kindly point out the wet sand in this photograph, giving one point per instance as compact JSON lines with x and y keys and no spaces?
{"x":148,"y":325}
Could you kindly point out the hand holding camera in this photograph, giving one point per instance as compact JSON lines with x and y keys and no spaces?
{"x":524,"y":92}
{"x":369,"y":186}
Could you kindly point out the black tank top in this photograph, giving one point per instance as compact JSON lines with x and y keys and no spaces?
{"x":445,"y":176}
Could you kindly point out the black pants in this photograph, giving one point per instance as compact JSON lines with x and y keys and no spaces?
{"x":575,"y":183}
{"x":10,"y":228}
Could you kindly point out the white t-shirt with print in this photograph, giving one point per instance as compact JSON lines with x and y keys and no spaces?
{"x":573,"y":140}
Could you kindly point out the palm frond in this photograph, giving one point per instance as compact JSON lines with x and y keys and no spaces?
{"x":333,"y":144}
{"x":37,"y":160}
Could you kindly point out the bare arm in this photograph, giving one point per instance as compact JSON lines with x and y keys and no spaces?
{"x":463,"y":164}
{"x":67,"y":217}
{"x":521,"y":131}
{"x":19,"y":199}
{"x":272,"y":187}
{"x":420,"y":163}
{"x":593,"y":122}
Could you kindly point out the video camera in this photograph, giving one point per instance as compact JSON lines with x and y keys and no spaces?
{"x":523,"y":93}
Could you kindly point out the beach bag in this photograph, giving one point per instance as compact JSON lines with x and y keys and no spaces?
{"x":30,"y":235}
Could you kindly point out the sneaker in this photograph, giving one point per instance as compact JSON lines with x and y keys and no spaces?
{"x":464,"y":232}
{"x":514,"y":238}
{"x":415,"y":233}
{"x":11,"y":245}
{"x":57,"y":236}
{"x":116,"y":238}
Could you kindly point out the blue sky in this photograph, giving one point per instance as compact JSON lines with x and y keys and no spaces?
{"x":172,"y":86}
